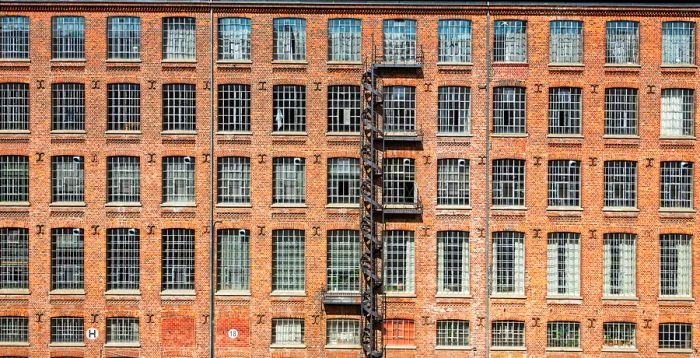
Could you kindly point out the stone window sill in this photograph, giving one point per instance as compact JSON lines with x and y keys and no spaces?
{"x":14,"y":291}
{"x":62,"y":292}
{"x":396,"y":346}
{"x":69,"y":204}
{"x":455,"y":348}
{"x":234,"y":205}
{"x":67,"y":345}
{"x":14,"y":203}
{"x":287,"y":346}
{"x":343,"y":346}
{"x":123,"y":345}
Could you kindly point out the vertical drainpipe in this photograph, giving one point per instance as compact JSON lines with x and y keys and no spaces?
{"x":487,"y":150}
{"x":212,"y":252}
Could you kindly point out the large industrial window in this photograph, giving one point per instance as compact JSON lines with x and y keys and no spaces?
{"x":67,"y":259}
{"x":288,"y":260}
{"x":675,"y":336}
{"x":453,"y":182}
{"x":509,"y":110}
{"x":14,"y":37}
{"x":453,"y":262}
{"x":563,"y":264}
{"x":123,"y":180}
{"x":508,"y":178}
{"x":454,"y":110}
{"x":68,"y":107}
{"x":123,"y":259}
{"x":289,"y":180}
{"x":619,"y":335}
{"x":177,"y":259}
{"x":14,"y":329}
{"x":399,"y":181}
{"x":288,"y":331}
{"x":343,"y":181}
{"x":622,"y":43}
{"x":179,"y":107}
{"x":565,"y":111}
{"x":234,"y":39}
{"x":233,"y":260}
{"x":67,"y":179}
{"x":452,"y":333}
{"x":399,"y":261}
{"x":455,"y":41}
{"x":564,"y":183}
{"x":508,"y":263}
{"x":620,"y":184}
{"x":289,"y":39}
{"x":566,"y":42}
{"x":399,"y":36}
{"x":677,"y":112}
{"x":14,"y":178}
{"x":619,"y":264}
{"x":621,"y":111}
{"x":14,"y":107}
{"x":563,"y":334}
{"x":67,"y":38}
{"x":289,"y":108}
{"x":399,"y":332}
{"x":178,"y":180}
{"x":179,"y":38}
{"x":343,"y":261}
{"x":676,"y":264}
{"x":508,"y":334}
{"x":123,"y":38}
{"x":234,"y":108}
{"x":123,"y":107}
{"x":678,"y":43}
{"x":14,"y":258}
{"x":344,"y":109}
{"x":343,"y":332}
{"x":344,"y":40}
{"x":510,"y":41}
{"x":676,"y":185}
{"x":67,"y":330}
{"x":399,"y":109}
{"x":122,"y":330}
{"x":233,"y":180}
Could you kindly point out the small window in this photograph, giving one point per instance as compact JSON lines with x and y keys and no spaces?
{"x":344,"y":40}
{"x":179,"y":38}
{"x":123,"y":38}
{"x":234,"y":108}
{"x":289,"y":180}
{"x":566,"y":42}
{"x":343,"y":181}
{"x":14,"y":259}
{"x":14,"y":329}
{"x":677,"y":112}
{"x":178,"y":180}
{"x":67,"y":179}
{"x":564,"y":183}
{"x":14,"y":107}
{"x":508,"y":334}
{"x":399,"y":38}
{"x":508,"y":263}
{"x":289,"y":39}
{"x":453,"y":262}
{"x":563,"y":335}
{"x":399,"y":109}
{"x":177,"y":259}
{"x":68,"y":38}
{"x":676,"y":185}
{"x":233,"y":260}
{"x":288,"y":261}
{"x":676,"y":264}
{"x":234,"y":39}
{"x":622,"y":43}
{"x":343,"y":332}
{"x":455,"y":41}
{"x":123,"y":180}
{"x":14,"y":178}
{"x":67,"y":330}
{"x":289,"y":108}
{"x":122,"y":330}
{"x":620,"y":184}
{"x":621,"y":113}
{"x":509,"y":110}
{"x":233,"y":180}
{"x":619,"y":335}
{"x":179,"y":107}
{"x":454,"y":114}
{"x":565,"y":111}
{"x":399,"y":332}
{"x":563,"y":264}
{"x":67,"y":259}
{"x":343,"y":261}
{"x":344,"y":109}
{"x":67,"y":107}
{"x":399,"y":261}
{"x":675,"y":336}
{"x":508,"y":177}
{"x":14,"y":37}
{"x":678,"y":43}
{"x":123,"y":259}
{"x":452,"y":333}
{"x":453,"y":182}
{"x":619,"y":264}
{"x":123,"y":107}
{"x":288,"y":331}
{"x":399,"y":182}
{"x":510,"y":41}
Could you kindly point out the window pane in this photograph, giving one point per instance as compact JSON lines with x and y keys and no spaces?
{"x":564,"y":183}
{"x":67,"y":330}
{"x":509,"y":110}
{"x":508,"y":334}
{"x":675,"y":336}
{"x":619,"y":264}
{"x":14,"y":258}
{"x":344,"y":332}
{"x":453,"y":262}
{"x":452,"y":333}
{"x":510,"y":41}
{"x":14,"y":329}
{"x":178,"y":38}
{"x":677,"y":112}
{"x":563,"y":335}
{"x":620,"y":184}
{"x":123,"y":38}
{"x":676,"y":185}
{"x":14,"y":178}
{"x":344,"y":109}
{"x":676,"y":265}
{"x":399,"y":259}
{"x":123,"y":107}
{"x":508,"y":263}
{"x":123,"y":180}
{"x":453,"y":182}
{"x":178,"y":180}
{"x":14,"y":107}
{"x":563,"y":264}
{"x":454,"y":110}
{"x":399,"y":332}
{"x":287,"y":331}
{"x":455,"y":41}
{"x":399,"y":109}
{"x":122,"y":330}
{"x":619,"y":335}
{"x":68,"y":107}
{"x":343,"y":181}
{"x":233,"y":180}
{"x":68,"y":37}
{"x":399,"y":182}
{"x":179,"y":107}
{"x":289,"y":39}
{"x":564,"y":111}
{"x":14,"y":37}
{"x":234,"y":108}
{"x":343,"y":261}
{"x":621,"y":111}
{"x":234,"y":39}
{"x":344,"y":40}
{"x":67,"y":179}
{"x":508,"y":176}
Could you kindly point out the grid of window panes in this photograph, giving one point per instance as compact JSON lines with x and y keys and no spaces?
{"x":343,"y":261}
{"x":508,"y":263}
{"x":179,"y":107}
{"x":288,"y":331}
{"x":510,"y":41}
{"x":123,"y":180}
{"x":289,"y":108}
{"x":508,"y":334}
{"x":344,"y":40}
{"x":233,"y":260}
{"x":288,"y":260}
{"x":234,"y":108}
{"x":622,"y":42}
{"x":454,"y":110}
{"x":399,"y":109}
{"x":399,"y":181}
{"x":343,"y":332}
{"x":509,"y":110}
{"x":620,"y":184}
{"x":566,"y":42}
{"x":177,"y":259}
{"x":234,"y":39}
{"x":122,"y":330}
{"x":233,"y":180}
{"x":676,"y":185}
{"x":68,"y":107}
{"x":621,"y":111}
{"x":676,"y":265}
{"x":619,"y":264}
{"x":14,"y":37}
{"x":344,"y":109}
{"x":677,"y":112}
{"x":123,"y":259}
{"x":675,"y":336}
{"x":455,"y":41}
{"x":678,"y":43}
{"x":14,"y":258}
{"x":563,"y":334}
{"x":123,"y":38}
{"x":563,"y":264}
{"x":343,"y":181}
{"x":14,"y":178}
{"x":564,"y":111}
{"x":179,"y":38}
{"x":619,"y":335}
{"x":178,"y":180}
{"x":67,"y":178}
{"x":508,"y":177}
{"x":68,"y":38}
{"x":289,"y":39}
{"x":14,"y":107}
{"x":67,"y":259}
{"x":399,"y":38}
{"x":453,"y":262}
{"x":399,"y":261}
{"x":289,"y":180}
{"x":123,"y":107}
{"x":67,"y":329}
{"x":453,"y":182}
{"x":452,"y":333}
{"x":564,"y":183}
{"x":14,"y":329}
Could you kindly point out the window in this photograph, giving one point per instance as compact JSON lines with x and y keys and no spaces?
{"x":620,"y":184}
{"x":67,"y":179}
{"x":234,"y":39}
{"x":399,"y":182}
{"x":619,"y":264}
{"x":454,"y":110}
{"x":508,"y":177}
{"x":343,"y":181}
{"x":621,"y":111}
{"x":67,"y":330}
{"x":178,"y":180}
{"x":399,"y":38}
{"x":123,"y":38}
{"x":509,"y":110}
{"x":122,"y":330}
{"x":14,"y":106}
{"x":677,"y":112}
{"x":622,"y":43}
{"x":675,"y":336}
{"x":234,"y":180}
{"x":289,"y":180}
{"x":620,"y":335}
{"x":288,"y":331}
{"x":565,"y":111}
{"x":566,"y":42}
{"x":399,"y":261}
{"x":123,"y":259}
{"x":178,"y":259}
{"x":678,"y":43}
{"x":452,"y":333}
{"x":399,"y":109}
{"x":179,"y":107}
{"x":508,"y":263}
{"x":68,"y":107}
{"x":343,"y":332}
{"x":344,"y":109}
{"x":344,"y":40}
{"x":289,"y":108}
{"x":510,"y":41}
{"x":289,"y":39}
{"x":233,"y":260}
{"x":123,"y":107}
{"x":453,"y":182}
{"x":179,"y":38}
{"x":563,"y":264}
{"x":399,"y":332}
{"x":14,"y":329}
{"x":68,"y":38}
{"x":508,"y":334}
{"x":676,"y":265}
{"x":123,"y":180}
{"x":564,"y":183}
{"x":453,"y":262}
{"x":67,"y":259}
{"x":14,"y":37}
{"x":288,"y":260}
{"x":455,"y":41}
{"x":14,"y":178}
{"x":14,"y":258}
{"x":343,"y":261}
{"x":677,"y":185}
{"x":563,"y":335}
{"x":234,"y":108}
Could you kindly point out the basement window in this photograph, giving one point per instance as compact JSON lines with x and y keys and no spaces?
{"x":676,"y":265}
{"x":123,"y":107}
{"x":675,"y":336}
{"x":622,"y":43}
{"x":288,"y":331}
{"x":678,"y":43}
{"x":288,"y":261}
{"x":566,"y":42}
{"x":123,"y":38}
{"x":508,"y":177}
{"x":619,"y":264}
{"x":677,"y":112}
{"x":234,"y":108}
{"x":179,"y":38}
{"x":508,"y":263}
{"x":67,"y":330}
{"x":344,"y":40}
{"x":565,"y":111}
{"x":14,"y":329}
{"x":233,"y":180}
{"x":510,"y":41}
{"x":509,"y":110}
{"x":233,"y":260}
{"x":122,"y":330}
{"x":14,"y":258}
{"x":14,"y":107}
{"x":344,"y":109}
{"x":14,"y":178}
{"x":453,"y":182}
{"x":343,"y":261}
{"x":399,"y":37}
{"x":289,"y":108}
{"x":563,"y":264}
{"x":453,"y":262}
{"x":508,"y":335}
{"x":343,"y":332}
{"x":289,"y":39}
{"x":123,"y":180}
{"x":68,"y":38}
{"x":177,"y":259}
{"x":67,"y":179}
{"x":619,"y":335}
{"x":123,"y":259}
{"x":452,"y":333}
{"x":67,"y":107}
{"x":454,"y":110}
{"x":178,"y":180}
{"x":563,"y":334}
{"x":343,"y":181}
{"x":234,"y":39}
{"x":564,"y":183}
{"x":620,"y":184}
{"x":14,"y":37}
{"x":621,"y":111}
{"x":399,"y":261}
{"x":677,"y":185}
{"x":67,"y":259}
{"x":289,"y":180}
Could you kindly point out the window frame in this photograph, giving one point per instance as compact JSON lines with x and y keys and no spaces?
{"x":691,"y":51}
{"x":502,"y":195}
{"x":185,"y":51}
{"x":631,"y":56}
{"x":355,"y":35}
{"x":183,"y":176}
{"x":242,"y":24}
{"x":296,"y":27}
{"x":77,"y":25}
{"x":554,"y":53}
{"x":233,"y":268}
{"x":125,"y":24}
{"x":12,"y":35}
{"x":458,"y":27}
{"x":178,"y":261}
{"x":501,"y":53}
{"x":14,"y":107}
{"x":288,"y":181}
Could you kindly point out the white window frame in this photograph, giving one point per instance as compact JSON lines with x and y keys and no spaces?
{"x":506,"y":335}
{"x":565,"y":42}
{"x":399,"y":182}
{"x":341,"y":332}
{"x":288,"y":181}
{"x":344,"y":40}
{"x":233,"y":260}
{"x":452,"y":334}
{"x":399,"y":41}
{"x":508,"y":183}
{"x":234,"y":39}
{"x":454,"y":41}
{"x":454,"y":110}
{"x":289,"y":39}
{"x":453,"y":269}
{"x":620,"y":185}
{"x":508,"y":266}
{"x":677,"y":185}
{"x":677,"y":113}
{"x":619,"y":336}
{"x":620,"y":252}
{"x":288,"y":332}
{"x":178,"y":260}
{"x":14,"y":37}
{"x":179,"y":39}
{"x":564,"y":184}
{"x":14,"y":258}
{"x":68,"y":38}
{"x":670,"y":338}
{"x":563,"y":335}
{"x":123,"y":259}
{"x":622,"y":43}
{"x":675,"y":266}
{"x":399,"y":262}
{"x":67,"y":259}
{"x":67,"y":330}
{"x":563,"y":265}
{"x":288,"y":262}
{"x":509,"y":111}
{"x":123,"y":179}
{"x":14,"y":107}
{"x":565,"y":111}
{"x":14,"y":329}
{"x":67,"y":179}
{"x":178,"y":180}
{"x":123,"y":38}
{"x":234,"y":108}
{"x":510,"y":41}
{"x":233,"y":181}
{"x":678,"y":43}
